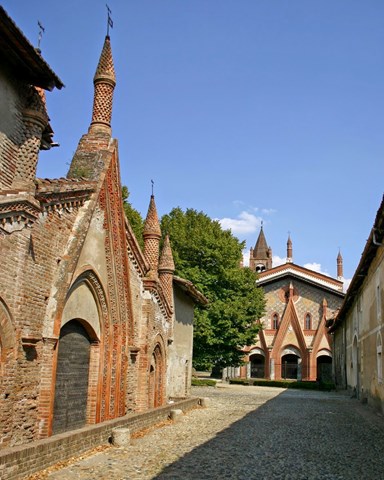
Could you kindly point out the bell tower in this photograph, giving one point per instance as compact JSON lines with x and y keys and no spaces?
{"x":260,"y":258}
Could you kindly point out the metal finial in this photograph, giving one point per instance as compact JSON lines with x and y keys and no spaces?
{"x":153,"y":183}
{"x":41,"y":31}
{"x":262,"y":223}
{"x":109,"y":21}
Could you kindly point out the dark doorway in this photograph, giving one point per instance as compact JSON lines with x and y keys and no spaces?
{"x":324,"y":368}
{"x":289,"y":366}
{"x":257,"y":366}
{"x":72,"y":372}
{"x":156,"y":375}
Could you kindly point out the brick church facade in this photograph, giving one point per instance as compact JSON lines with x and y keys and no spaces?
{"x":294,"y":342}
{"x":88,"y":327}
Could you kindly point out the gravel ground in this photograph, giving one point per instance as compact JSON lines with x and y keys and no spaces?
{"x":249,"y":433}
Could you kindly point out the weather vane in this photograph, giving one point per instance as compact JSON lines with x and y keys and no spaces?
{"x":110,"y":21}
{"x":41,"y":31}
{"x":153,"y":183}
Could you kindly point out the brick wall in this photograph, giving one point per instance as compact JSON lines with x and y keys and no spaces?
{"x":18,"y":462}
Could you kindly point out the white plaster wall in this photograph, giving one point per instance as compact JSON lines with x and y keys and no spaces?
{"x":81,"y":304}
{"x":180,"y":351}
{"x":93,"y":252}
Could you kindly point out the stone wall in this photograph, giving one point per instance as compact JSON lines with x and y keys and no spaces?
{"x":15,"y":463}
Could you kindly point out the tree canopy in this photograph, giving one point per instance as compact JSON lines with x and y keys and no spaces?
{"x":135,"y":219}
{"x":210,"y":257}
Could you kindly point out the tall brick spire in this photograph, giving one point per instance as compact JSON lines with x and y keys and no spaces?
{"x":166,"y":269}
{"x":104,"y":82}
{"x":289,"y":250}
{"x":152,"y":235}
{"x":339,"y":266}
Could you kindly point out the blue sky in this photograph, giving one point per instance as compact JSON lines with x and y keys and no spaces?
{"x":248,"y":110}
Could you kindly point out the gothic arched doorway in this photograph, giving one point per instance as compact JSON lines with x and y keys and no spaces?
{"x":72,"y":372}
{"x":156,"y":378}
{"x":289,"y":366}
{"x":257,"y":366}
{"x":324,"y":367}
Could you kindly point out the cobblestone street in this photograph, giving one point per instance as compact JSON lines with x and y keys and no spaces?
{"x":250,"y":433}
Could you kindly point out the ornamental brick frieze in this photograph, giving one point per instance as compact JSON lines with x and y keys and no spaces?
{"x":63,"y":195}
{"x":17,"y":212}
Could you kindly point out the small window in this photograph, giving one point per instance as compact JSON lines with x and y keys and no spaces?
{"x":275,"y":321}
{"x":308,"y":321}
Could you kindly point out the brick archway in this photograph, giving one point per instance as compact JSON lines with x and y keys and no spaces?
{"x":86,"y":304}
{"x":156,"y":378}
{"x":72,"y":376}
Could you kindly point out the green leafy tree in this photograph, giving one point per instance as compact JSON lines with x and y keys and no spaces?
{"x":210,"y":257}
{"x":135,"y":219}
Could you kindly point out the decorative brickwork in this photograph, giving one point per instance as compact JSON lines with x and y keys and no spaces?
{"x":287,"y":348}
{"x":72,"y":269}
{"x":104,"y":82}
{"x":166,"y":270}
{"x":152,"y":235}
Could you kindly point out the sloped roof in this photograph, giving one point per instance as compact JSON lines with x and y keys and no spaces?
{"x":261,"y":247}
{"x":189,"y":288}
{"x":375,"y":240}
{"x":302,"y":273}
{"x":24,"y":60}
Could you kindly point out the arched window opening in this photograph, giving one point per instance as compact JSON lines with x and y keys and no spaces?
{"x":275,"y":321}
{"x":260,"y":268}
{"x":308,"y":321}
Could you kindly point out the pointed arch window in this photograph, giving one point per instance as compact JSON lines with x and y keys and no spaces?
{"x":275,"y":321}
{"x":308,"y":322}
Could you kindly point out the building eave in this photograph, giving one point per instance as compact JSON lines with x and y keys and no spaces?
{"x":24,"y":60}
{"x":301,"y":273}
{"x":190,"y":289}
{"x":375,"y":240}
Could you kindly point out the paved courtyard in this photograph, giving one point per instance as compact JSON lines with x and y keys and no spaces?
{"x":250,"y":433}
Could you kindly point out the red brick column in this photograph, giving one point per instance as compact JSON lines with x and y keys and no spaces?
{"x":47,"y":387}
{"x":93,"y":384}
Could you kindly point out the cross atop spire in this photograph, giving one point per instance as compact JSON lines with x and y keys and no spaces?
{"x":40,"y":36}
{"x":109,"y":21}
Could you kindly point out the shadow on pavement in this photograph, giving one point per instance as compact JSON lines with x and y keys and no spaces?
{"x":296,"y":435}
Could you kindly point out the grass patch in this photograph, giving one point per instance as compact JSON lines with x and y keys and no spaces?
{"x":325,"y":386}
{"x":203,"y":382}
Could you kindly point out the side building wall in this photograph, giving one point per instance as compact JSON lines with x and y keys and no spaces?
{"x":358,"y":340}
